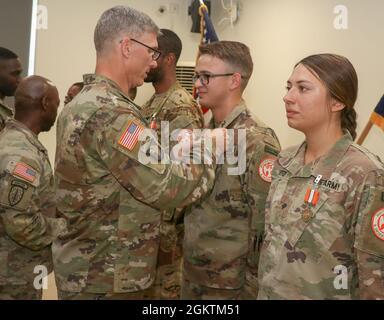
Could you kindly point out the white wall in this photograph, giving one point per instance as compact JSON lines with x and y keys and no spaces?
{"x":281,"y":32}
{"x":65,"y":50}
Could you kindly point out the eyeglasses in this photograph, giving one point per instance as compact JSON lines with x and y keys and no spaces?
{"x":155,"y":53}
{"x":204,"y":77}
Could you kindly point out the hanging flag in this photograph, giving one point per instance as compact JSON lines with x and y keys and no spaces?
{"x":208,"y":35}
{"x":377,"y":117}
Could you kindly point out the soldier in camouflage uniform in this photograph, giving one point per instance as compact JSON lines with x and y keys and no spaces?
{"x":223,"y":232}
{"x":325,"y":209}
{"x":110,"y":199}
{"x":27,"y":206}
{"x":173,"y":104}
{"x":10,"y":71}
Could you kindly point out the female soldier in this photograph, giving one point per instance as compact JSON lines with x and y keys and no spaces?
{"x":325,"y":208}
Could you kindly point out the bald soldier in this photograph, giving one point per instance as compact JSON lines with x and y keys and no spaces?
{"x":173,"y":105}
{"x":27,"y":207}
{"x":10,"y":71}
{"x":108,"y":195}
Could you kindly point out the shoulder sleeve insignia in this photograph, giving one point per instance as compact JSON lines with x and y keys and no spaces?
{"x":131,"y":135}
{"x":378,"y":224}
{"x":25,"y":172}
{"x":16,"y":192}
{"x":265,"y":169}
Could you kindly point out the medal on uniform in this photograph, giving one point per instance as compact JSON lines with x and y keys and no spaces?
{"x":312,"y":194}
{"x":153,"y":124}
{"x":306,"y":215}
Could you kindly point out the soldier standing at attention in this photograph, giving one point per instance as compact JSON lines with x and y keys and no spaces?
{"x":325,"y":209}
{"x":108,"y":196}
{"x":10,"y":71}
{"x":223,"y":232}
{"x":27,"y":206}
{"x":173,"y":104}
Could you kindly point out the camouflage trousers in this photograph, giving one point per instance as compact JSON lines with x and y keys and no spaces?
{"x":20,"y":292}
{"x":139,"y":295}
{"x":167,"y":285}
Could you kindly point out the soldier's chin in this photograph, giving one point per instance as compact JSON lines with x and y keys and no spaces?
{"x":150,"y":78}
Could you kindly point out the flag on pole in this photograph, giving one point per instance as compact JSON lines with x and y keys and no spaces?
{"x":208,"y":35}
{"x":377,"y":117}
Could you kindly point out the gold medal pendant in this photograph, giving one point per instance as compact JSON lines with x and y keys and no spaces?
{"x":306,"y":215}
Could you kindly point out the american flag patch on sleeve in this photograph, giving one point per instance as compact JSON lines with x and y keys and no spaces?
{"x":24,"y":171}
{"x":131,"y":135}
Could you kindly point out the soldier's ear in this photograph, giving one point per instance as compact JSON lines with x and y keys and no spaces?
{"x":171,"y":58}
{"x":125,"y":47}
{"x":44,"y":103}
{"x":337,"y":106}
{"x":236,"y":80}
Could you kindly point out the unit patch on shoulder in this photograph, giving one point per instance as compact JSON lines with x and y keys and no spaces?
{"x":378,"y":224}
{"x":131,"y":135}
{"x":24,"y":171}
{"x":265,"y":169}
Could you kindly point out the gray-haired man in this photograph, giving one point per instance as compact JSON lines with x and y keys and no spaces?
{"x":104,"y":192}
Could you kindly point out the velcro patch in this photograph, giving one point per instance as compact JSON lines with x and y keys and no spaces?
{"x":16,"y":194}
{"x":131,"y":135}
{"x":271,"y":150}
{"x":265,"y":169}
{"x":25,"y":172}
{"x":378,"y":224}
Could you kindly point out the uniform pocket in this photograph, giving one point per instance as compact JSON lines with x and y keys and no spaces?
{"x":318,"y":228}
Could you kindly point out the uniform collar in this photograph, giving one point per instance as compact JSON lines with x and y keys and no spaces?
{"x":239,"y":109}
{"x":92,"y":78}
{"x":30,"y":135}
{"x":293,"y":159}
{"x":10,"y":110}
{"x":173,"y":87}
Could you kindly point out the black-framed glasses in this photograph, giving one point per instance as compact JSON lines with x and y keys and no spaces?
{"x":204,"y":77}
{"x":155,"y":53}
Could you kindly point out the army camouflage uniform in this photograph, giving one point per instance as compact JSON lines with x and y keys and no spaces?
{"x":110,"y":200}
{"x":27,"y":211}
{"x":180,"y":110}
{"x":5,"y":113}
{"x":324,"y":248}
{"x":224,"y":231}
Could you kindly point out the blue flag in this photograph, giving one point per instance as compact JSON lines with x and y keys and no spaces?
{"x":208,"y":33}
{"x":377,"y":116}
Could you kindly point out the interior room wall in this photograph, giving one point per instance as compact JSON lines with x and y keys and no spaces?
{"x":278,"y":32}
